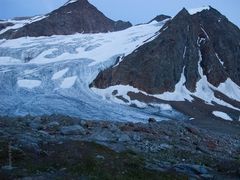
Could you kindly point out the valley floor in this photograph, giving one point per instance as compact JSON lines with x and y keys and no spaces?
{"x":59,"y":147}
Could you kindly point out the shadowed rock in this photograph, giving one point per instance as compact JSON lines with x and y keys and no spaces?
{"x":4,"y":25}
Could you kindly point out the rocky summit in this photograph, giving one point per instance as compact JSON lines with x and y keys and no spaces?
{"x":76,"y":16}
{"x":206,"y":40}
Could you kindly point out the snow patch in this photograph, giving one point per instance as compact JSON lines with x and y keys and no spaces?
{"x":20,"y":23}
{"x":219,"y":59}
{"x":205,"y":33}
{"x":204,"y":91}
{"x":59,"y":74}
{"x":222,"y":115}
{"x":69,"y":2}
{"x":163,"y":107}
{"x":121,"y":91}
{"x":28,"y":83}
{"x":196,"y":10}
{"x":181,"y":93}
{"x":68,"y":82}
{"x":184,"y":52}
{"x":230,"y":89}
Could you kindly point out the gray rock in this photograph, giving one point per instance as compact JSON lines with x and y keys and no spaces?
{"x":73,"y":130}
{"x":36,"y":123}
{"x":191,"y":169}
{"x":102,"y":135}
{"x":152,"y":120}
{"x":100,"y":157}
{"x":136,"y":137}
{"x":165,"y":146}
{"x":124,"y":138}
{"x":28,"y":141}
{"x":53,"y":126}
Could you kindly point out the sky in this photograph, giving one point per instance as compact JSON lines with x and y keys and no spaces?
{"x":135,"y":11}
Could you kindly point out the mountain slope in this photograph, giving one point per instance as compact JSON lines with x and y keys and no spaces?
{"x":74,"y":17}
{"x":196,"y":55}
{"x":157,"y":66}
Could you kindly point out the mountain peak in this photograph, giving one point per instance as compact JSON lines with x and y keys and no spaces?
{"x":76,"y":16}
{"x":82,"y":2}
{"x":186,"y":44}
{"x":160,"y":18}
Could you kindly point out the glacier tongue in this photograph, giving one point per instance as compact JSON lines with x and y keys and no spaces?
{"x":60,"y":69}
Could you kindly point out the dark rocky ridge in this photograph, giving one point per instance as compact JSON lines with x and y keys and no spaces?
{"x":79,"y":16}
{"x":22,"y":18}
{"x":157,"y":66}
{"x":4,"y":25}
{"x":160,"y":18}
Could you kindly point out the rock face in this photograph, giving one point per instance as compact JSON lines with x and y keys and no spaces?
{"x":75,"y":16}
{"x":205,"y":40}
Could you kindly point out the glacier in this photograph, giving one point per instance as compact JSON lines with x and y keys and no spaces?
{"x":51,"y":75}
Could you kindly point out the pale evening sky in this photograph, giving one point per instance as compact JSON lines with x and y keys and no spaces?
{"x":135,"y":11}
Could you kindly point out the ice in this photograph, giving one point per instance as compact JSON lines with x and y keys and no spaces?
{"x":59,"y":74}
{"x":164,"y":107}
{"x":98,"y":47}
{"x":9,"y":60}
{"x":68,"y":82}
{"x":196,"y":10}
{"x":222,"y":115}
{"x":28,"y":83}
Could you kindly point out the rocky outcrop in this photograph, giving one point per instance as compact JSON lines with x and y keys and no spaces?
{"x":206,"y":38}
{"x":160,"y":18}
{"x":4,"y":25}
{"x":74,"y":17}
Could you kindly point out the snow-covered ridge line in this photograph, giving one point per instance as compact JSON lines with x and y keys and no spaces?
{"x":70,"y":1}
{"x":21,"y":23}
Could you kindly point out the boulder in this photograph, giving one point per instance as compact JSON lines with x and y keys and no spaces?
{"x":73,"y":130}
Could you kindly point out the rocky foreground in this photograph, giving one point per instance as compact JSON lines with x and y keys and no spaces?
{"x":57,"y":147}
